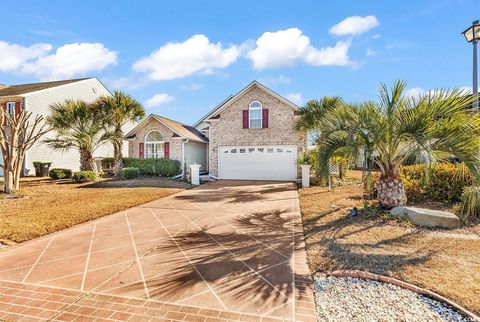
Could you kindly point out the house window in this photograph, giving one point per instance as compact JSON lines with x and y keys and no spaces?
{"x":255,"y":115}
{"x":154,"y":145}
{"x":11,"y":108}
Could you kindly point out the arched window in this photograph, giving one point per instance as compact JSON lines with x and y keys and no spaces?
{"x":154,"y":146}
{"x":255,"y":115}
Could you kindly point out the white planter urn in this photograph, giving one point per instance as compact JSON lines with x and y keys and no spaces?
{"x":195,"y":173}
{"x":306,"y":175}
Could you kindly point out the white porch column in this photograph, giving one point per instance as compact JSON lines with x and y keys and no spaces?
{"x":195,"y":173}
{"x":305,"y":175}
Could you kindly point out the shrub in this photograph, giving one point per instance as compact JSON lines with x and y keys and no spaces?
{"x":154,"y":167}
{"x":130,"y":173}
{"x":305,"y":158}
{"x":107,"y":165}
{"x":84,"y":176}
{"x":470,"y":203}
{"x":445,"y":182}
{"x":59,"y":173}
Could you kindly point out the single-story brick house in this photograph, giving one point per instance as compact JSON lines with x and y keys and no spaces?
{"x":248,"y":136}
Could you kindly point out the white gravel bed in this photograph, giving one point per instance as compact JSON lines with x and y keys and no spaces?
{"x":354,"y":299}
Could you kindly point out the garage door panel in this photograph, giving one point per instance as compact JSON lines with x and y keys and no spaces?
{"x":258,"y":163}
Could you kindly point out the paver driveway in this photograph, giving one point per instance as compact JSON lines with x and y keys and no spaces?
{"x":228,"y":249}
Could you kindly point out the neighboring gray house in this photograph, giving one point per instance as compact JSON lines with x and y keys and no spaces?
{"x":249,"y":136}
{"x":37,"y":98}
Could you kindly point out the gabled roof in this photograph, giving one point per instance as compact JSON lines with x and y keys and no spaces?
{"x":182,"y":130}
{"x":232,"y":98}
{"x":20,"y":89}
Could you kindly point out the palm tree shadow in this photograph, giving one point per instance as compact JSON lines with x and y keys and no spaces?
{"x":250,"y":261}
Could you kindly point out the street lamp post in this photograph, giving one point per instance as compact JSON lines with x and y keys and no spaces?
{"x":472,"y":34}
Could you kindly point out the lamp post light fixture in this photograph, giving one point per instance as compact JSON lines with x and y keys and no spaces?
{"x":472,"y":34}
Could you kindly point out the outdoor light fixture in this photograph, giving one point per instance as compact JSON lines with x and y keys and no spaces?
{"x":472,"y":34}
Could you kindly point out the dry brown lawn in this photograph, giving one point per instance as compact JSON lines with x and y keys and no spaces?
{"x":445,"y":261}
{"x":44,"y":206}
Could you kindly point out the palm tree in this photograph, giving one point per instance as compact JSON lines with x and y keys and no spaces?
{"x":79,"y":125}
{"x":434,"y":127}
{"x":119,"y":109}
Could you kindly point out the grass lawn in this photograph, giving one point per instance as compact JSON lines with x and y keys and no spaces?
{"x":445,"y":261}
{"x":44,"y":206}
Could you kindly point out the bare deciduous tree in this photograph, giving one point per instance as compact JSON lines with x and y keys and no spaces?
{"x":17,"y":134}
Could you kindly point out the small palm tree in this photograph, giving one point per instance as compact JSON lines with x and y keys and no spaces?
{"x":79,"y":125}
{"x":434,"y":127}
{"x":119,"y":109}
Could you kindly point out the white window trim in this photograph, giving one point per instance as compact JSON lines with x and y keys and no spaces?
{"x":250,"y":108}
{"x":145,"y":142}
{"x":11,"y":105}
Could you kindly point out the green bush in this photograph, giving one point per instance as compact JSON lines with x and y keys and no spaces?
{"x":445,"y":182}
{"x":59,"y":173}
{"x":154,"y":167}
{"x":470,"y":203}
{"x":84,"y":176}
{"x":107,"y":165}
{"x":130,"y":173}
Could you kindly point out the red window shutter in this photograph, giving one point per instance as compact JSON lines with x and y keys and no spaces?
{"x":140,"y":150}
{"x":265,"y":118}
{"x":166,"y":147}
{"x":17,"y":108}
{"x":245,"y":119}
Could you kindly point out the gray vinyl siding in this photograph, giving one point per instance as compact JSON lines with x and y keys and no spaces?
{"x":196,"y":152}
{"x":39,"y":103}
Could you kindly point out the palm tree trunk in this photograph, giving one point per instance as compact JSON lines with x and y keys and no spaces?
{"x":87,"y":161}
{"x":391,"y":192}
{"x":117,"y":156}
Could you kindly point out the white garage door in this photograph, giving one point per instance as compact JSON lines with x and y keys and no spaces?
{"x":258,"y":163}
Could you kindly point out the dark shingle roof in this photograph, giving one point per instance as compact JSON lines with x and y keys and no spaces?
{"x":27,"y":88}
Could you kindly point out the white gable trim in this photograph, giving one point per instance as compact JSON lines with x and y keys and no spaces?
{"x":230,"y":100}
{"x":145,"y":121}
{"x":64,"y":85}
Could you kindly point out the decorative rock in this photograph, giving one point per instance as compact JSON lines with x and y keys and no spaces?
{"x":427,"y":217}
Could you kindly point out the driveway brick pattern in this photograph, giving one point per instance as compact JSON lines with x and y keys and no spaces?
{"x":228,"y":250}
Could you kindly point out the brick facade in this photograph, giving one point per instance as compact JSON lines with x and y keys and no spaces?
{"x":153,"y":124}
{"x":227,"y":130}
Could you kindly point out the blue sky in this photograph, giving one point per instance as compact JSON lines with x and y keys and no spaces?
{"x":181,"y":58}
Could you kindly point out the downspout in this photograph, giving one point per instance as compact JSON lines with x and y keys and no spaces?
{"x":182,"y":175}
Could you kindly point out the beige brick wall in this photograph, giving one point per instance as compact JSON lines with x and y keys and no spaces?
{"x":228,"y":129}
{"x":153,"y":124}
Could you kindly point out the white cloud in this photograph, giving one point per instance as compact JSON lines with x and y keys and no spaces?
{"x":370,"y":52}
{"x":296,"y":98}
{"x":354,"y":25}
{"x":67,"y":61}
{"x":158,"y":99}
{"x":196,"y":55}
{"x":286,"y":47}
{"x":71,"y":60}
{"x":415,"y":92}
{"x":13,"y":56}
{"x":192,"y":87}
{"x":275,"y":80}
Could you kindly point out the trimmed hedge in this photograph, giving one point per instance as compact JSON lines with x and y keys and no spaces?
{"x":154,"y":167}
{"x":60,"y":173}
{"x":84,"y":176}
{"x":130,"y":173}
{"x":146,"y":167}
{"x":446,"y":182}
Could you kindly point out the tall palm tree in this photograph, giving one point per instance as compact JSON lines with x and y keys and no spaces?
{"x":119,"y":109}
{"x":436,"y":126}
{"x":78,"y":124}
